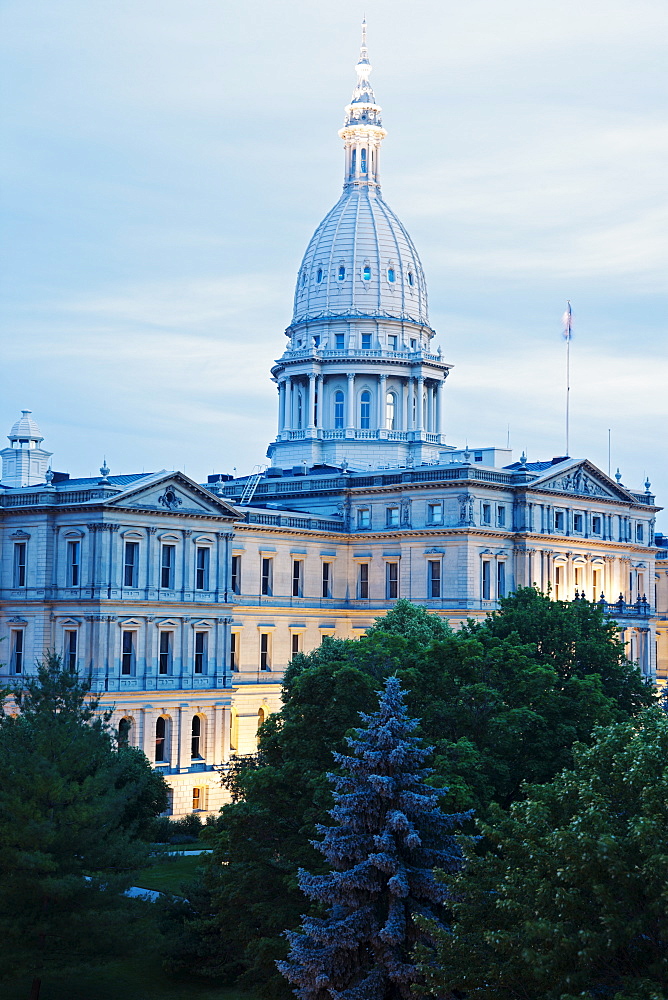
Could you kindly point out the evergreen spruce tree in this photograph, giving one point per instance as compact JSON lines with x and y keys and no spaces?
{"x":389,"y":836}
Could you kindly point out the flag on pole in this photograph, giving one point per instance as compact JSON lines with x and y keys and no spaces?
{"x":567,"y":320}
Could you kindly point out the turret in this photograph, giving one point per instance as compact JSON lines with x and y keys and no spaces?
{"x":25,"y":462}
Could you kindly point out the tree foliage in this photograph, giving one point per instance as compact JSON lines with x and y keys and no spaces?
{"x":570,"y":898}
{"x":389,"y":834}
{"x":74,"y":808}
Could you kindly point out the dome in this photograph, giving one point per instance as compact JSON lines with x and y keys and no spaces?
{"x":361,"y":262}
{"x":25,"y":428}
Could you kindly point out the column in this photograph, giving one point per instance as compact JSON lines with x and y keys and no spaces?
{"x":311,"y":401}
{"x":419,"y":410}
{"x":151,"y":562}
{"x":405,"y":413}
{"x":186,"y":582}
{"x":287,"y":404}
{"x":149,"y":716}
{"x":382,"y":393}
{"x":350,"y":403}
{"x":439,"y":407}
{"x":320,"y":406}
{"x":182,"y":718}
{"x":225,"y":717}
{"x":281,"y":406}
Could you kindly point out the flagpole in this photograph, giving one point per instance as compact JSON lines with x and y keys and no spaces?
{"x":568,"y":332}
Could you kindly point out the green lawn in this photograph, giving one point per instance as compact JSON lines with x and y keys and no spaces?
{"x":170,"y":874}
{"x":130,"y":980}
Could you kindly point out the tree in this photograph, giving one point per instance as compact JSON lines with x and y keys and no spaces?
{"x":389,"y":834}
{"x":73,"y":810}
{"x":569,"y":898}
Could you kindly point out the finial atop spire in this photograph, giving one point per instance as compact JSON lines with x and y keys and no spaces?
{"x":363,"y":92}
{"x":362,"y":130}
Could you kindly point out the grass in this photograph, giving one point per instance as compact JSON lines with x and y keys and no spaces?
{"x":170,"y":874}
{"x":136,"y":979}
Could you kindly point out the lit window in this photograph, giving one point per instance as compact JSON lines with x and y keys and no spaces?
{"x":486,"y":513}
{"x":201,"y":643}
{"x":161,"y":749}
{"x":365,"y":410}
{"x":235,"y":576}
{"x":265,"y":651}
{"x":558,"y":582}
{"x":71,"y":650}
{"x":297,"y":577}
{"x":364,"y":517}
{"x":17,"y":651}
{"x":196,"y":737}
{"x":391,"y":276}
{"x":131,"y":566}
{"x":202,"y":568}
{"x":338,"y":408}
{"x":363,"y":581}
{"x":128,"y":646}
{"x":390,"y":411}
{"x":392,"y":517}
{"x":234,"y":651}
{"x":20,"y":549}
{"x":434,"y":578}
{"x":435,"y":513}
{"x":73,"y":551}
{"x":391,"y":580}
{"x":326,"y":579}
{"x":267,"y":568}
{"x":485,"y":580}
{"x":198,"y":799}
{"x":165,"y":655}
{"x":342,"y":273}
{"x":366,"y":273}
{"x":167,"y":566}
{"x":318,"y":276}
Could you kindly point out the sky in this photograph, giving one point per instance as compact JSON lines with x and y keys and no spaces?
{"x":165,"y":164}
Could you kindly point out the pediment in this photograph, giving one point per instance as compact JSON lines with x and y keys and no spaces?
{"x":172,"y":493}
{"x":581,"y":479}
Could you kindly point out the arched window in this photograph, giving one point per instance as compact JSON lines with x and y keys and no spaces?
{"x":391,"y":275}
{"x":260,"y":717}
{"x":196,"y":737}
{"x":338,"y":408}
{"x":365,"y":410}
{"x":363,"y":160}
{"x":353,"y":162}
{"x":300,"y":411}
{"x":161,"y":740}
{"x":390,"y":411}
{"x":342,"y":273}
{"x":366,"y":273}
{"x":124,"y":730}
{"x":318,"y":276}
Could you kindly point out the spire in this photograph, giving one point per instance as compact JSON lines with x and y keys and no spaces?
{"x":362,"y":130}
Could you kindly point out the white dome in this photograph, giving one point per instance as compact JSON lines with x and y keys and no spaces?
{"x":361,"y":262}
{"x":26,"y":428}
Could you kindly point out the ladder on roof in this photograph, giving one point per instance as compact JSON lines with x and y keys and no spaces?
{"x":251,"y":485}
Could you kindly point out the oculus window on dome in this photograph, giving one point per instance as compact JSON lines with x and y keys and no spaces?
{"x":318,"y":276}
{"x":342,"y":273}
{"x":366,"y":273}
{"x":391,"y":275}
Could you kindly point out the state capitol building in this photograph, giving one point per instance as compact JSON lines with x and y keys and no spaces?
{"x":186,"y":601}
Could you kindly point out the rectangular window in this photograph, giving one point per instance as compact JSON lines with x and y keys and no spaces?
{"x":596,"y":584}
{"x":167,"y":567}
{"x":296,"y":643}
{"x":392,"y":517}
{"x":202,"y":568}
{"x":366,"y":341}
{"x":435,"y":513}
{"x":326,"y":579}
{"x":501,"y":516}
{"x":267,"y":574}
{"x":17,"y":651}
{"x":128,"y":652}
{"x":297,"y":577}
{"x":559,"y":520}
{"x":265,"y":651}
{"x":578,"y":577}
{"x":578,"y":521}
{"x":487,"y":513}
{"x":434,"y":578}
{"x":71,"y":650}
{"x":500,"y":579}
{"x":73,"y":550}
{"x":486,"y":585}
{"x":201,"y":644}
{"x":363,"y":581}
{"x":198,"y":799}
{"x":558,"y":583}
{"x":596,"y":525}
{"x":477,"y":456}
{"x":364,"y":517}
{"x":131,"y":565}
{"x":235,"y":576}
{"x":20,"y":549}
{"x":413,"y":344}
{"x":166,"y":647}
{"x":234,"y":651}
{"x":340,"y":341}
{"x":391,"y":580}
{"x":639,"y":533}
{"x":392,"y":341}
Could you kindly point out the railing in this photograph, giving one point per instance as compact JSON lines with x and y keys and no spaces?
{"x":639,"y":608}
{"x":284,"y":521}
{"x":358,"y":352}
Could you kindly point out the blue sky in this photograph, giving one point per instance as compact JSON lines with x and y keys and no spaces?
{"x":165,"y":164}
